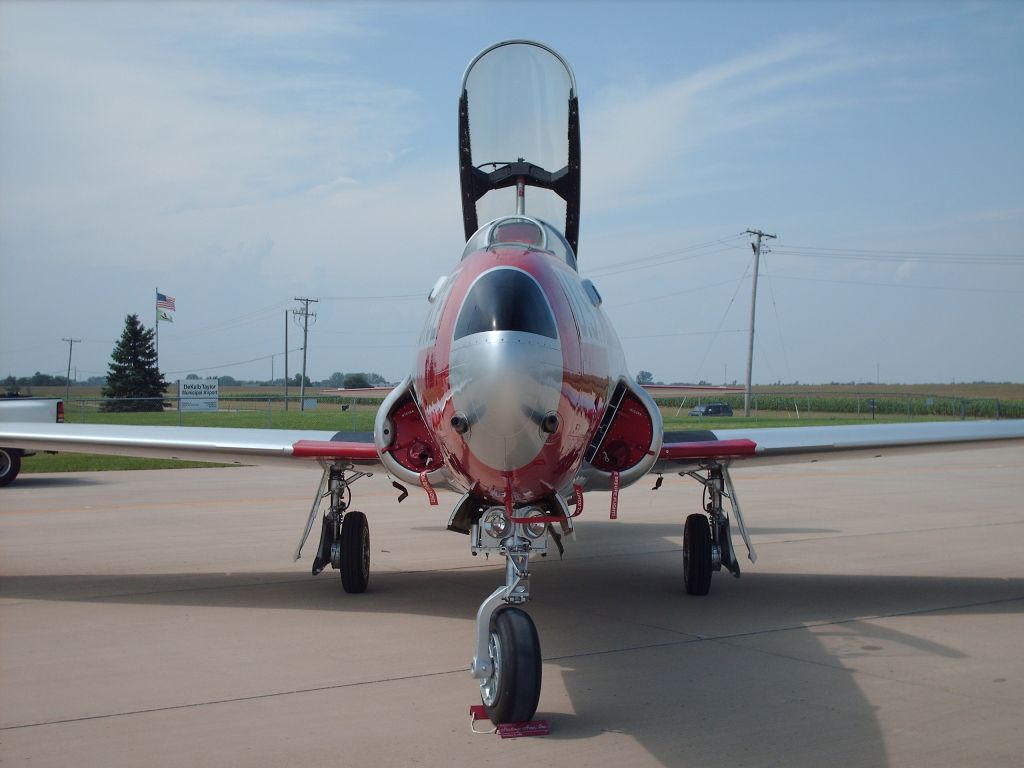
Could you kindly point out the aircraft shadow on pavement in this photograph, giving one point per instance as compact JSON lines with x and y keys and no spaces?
{"x":703,"y":686}
{"x":742,"y":674}
{"x":55,"y":481}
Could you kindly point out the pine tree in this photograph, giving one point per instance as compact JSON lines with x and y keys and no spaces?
{"x":133,"y":373}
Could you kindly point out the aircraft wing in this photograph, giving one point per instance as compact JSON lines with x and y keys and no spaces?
{"x":778,"y":445}
{"x":218,"y":444}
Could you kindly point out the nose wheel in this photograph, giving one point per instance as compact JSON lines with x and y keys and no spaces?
{"x":512,"y":690}
{"x":507,"y":661}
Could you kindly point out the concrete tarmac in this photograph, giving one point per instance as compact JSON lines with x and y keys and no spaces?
{"x":156,"y":618}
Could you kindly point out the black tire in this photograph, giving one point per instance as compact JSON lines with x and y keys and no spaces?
{"x":10,"y":465}
{"x":697,"y":555}
{"x":355,"y":552}
{"x":515,"y":685}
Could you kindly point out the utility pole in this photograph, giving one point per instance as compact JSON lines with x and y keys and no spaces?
{"x":753,"y":304}
{"x":305,"y":314}
{"x":286,"y":359}
{"x":67,"y":389}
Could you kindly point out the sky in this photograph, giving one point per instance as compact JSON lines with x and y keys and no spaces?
{"x":237,"y":156}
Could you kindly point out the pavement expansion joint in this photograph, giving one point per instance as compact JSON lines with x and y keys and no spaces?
{"x":233,"y":700}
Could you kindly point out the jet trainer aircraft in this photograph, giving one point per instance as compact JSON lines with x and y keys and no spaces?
{"x":519,"y":398}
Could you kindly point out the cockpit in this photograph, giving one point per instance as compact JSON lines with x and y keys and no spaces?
{"x":521,"y":231}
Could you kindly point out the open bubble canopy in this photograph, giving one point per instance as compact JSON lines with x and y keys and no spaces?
{"x":519,"y":121}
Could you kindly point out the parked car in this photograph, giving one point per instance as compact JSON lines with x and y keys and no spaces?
{"x":712,"y":409}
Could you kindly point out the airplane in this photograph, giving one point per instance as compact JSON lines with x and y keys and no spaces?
{"x":520,"y":398}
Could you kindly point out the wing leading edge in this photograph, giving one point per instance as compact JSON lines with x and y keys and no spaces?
{"x":777,"y":445}
{"x":218,"y":444}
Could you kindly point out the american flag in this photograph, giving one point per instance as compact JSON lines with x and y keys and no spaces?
{"x":165,"y":302}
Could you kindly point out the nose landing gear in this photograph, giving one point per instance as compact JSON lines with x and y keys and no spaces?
{"x":508,"y":661}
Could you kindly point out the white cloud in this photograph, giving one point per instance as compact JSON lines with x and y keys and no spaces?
{"x":637,"y":134}
{"x":159,"y":155}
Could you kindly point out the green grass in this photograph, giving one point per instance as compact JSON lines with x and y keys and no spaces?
{"x":359,"y":419}
{"x":83,"y":462}
{"x":775,"y":419}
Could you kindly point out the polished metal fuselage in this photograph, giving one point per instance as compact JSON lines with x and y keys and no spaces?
{"x":509,"y":385}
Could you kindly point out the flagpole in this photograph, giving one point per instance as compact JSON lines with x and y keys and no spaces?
{"x":156,"y":326}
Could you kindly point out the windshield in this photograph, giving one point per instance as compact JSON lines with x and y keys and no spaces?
{"x":518,"y":121}
{"x":505,"y":299}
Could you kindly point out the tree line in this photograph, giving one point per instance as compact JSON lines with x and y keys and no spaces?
{"x":134,"y":382}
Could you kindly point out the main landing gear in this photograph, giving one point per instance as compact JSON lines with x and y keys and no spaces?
{"x":344,"y":534}
{"x":707,"y":541}
{"x":507,"y":661}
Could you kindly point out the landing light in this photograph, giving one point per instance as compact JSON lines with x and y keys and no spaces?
{"x":535,"y":530}
{"x":495,"y":524}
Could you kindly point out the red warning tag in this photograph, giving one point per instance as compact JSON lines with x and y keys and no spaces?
{"x":614,"y":512}
{"x":431,"y":493}
{"x":478,"y":712}
{"x":517,"y":730}
{"x":578,"y":493}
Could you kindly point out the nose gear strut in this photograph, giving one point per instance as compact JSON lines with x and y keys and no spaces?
{"x":507,"y":661}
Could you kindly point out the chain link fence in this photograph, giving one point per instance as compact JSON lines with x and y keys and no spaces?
{"x":911,"y":406}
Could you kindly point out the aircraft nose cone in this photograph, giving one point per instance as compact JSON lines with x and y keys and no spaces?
{"x":509,"y":405}
{"x":505,"y":383}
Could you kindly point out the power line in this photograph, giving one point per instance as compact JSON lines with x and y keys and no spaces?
{"x":683,"y":333}
{"x":914,"y":286}
{"x":778,"y":325}
{"x":978,"y":261}
{"x":650,"y":299}
{"x":233,"y":322}
{"x":667,"y":257}
{"x":364,"y":297}
{"x":193,"y":369}
{"x":888,"y":252}
{"x":721,"y":322}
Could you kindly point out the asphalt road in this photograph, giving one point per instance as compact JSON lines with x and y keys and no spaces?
{"x":155,"y":618}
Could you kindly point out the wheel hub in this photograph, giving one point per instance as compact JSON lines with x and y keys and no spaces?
{"x":489,"y":685}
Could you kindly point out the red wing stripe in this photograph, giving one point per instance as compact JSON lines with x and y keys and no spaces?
{"x":711,"y":449}
{"x":314,"y":449}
